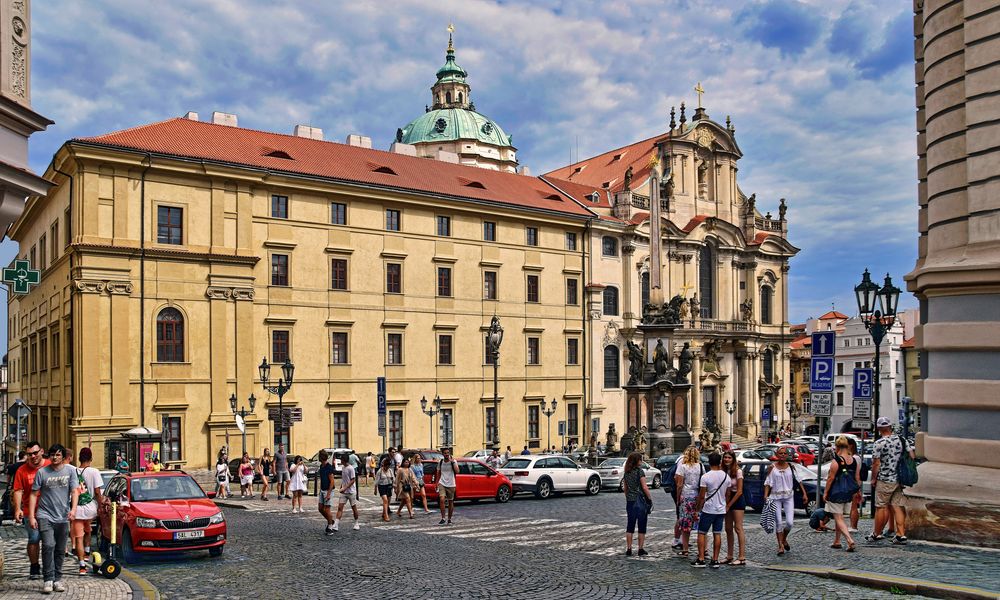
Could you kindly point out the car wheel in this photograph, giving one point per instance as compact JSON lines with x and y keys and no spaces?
{"x":503,"y":494}
{"x":656,"y":482}
{"x":810,"y":507}
{"x":129,"y":555}
{"x":593,"y":486}
{"x":543,"y":489}
{"x":216,"y":551}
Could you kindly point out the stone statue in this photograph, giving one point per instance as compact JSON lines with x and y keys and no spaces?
{"x":635,"y":360}
{"x":710,"y":357}
{"x":628,"y":441}
{"x":672,"y":311}
{"x":695,"y":306}
{"x":612,"y":439}
{"x":706,"y":441}
{"x":683,"y":309}
{"x":684,"y":366}
{"x":640,"y":441}
{"x":669,"y":187}
{"x":751,"y":203}
{"x":746,"y":309}
{"x":628,"y":179}
{"x":661,"y":361}
{"x":399,"y":135}
{"x":702,"y":171}
{"x":782,"y":209}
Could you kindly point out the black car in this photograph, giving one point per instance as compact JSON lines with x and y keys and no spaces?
{"x":665,"y":464}
{"x":753,"y":489}
{"x":234,"y":468}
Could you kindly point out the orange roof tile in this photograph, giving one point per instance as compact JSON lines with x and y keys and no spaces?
{"x":909,"y":343}
{"x":194,"y":139}
{"x":833,"y":315}
{"x":609,"y":168}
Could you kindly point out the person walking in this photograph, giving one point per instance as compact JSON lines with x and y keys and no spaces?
{"x":264,"y":468}
{"x":888,"y":450}
{"x":686,"y":480}
{"x":91,"y":486}
{"x":638,"y":502}
{"x":844,"y":470}
{"x":446,"y":479}
{"x":736,"y":508}
{"x":221,"y":478}
{"x":297,"y":474}
{"x":405,"y":484}
{"x":51,"y":507}
{"x":369,"y":467}
{"x":245,"y":471}
{"x":348,"y":493}
{"x":712,"y":509}
{"x":24,"y":478}
{"x":507,"y":454}
{"x":779,"y":485}
{"x":326,"y":475}
{"x":856,"y":502}
{"x":418,"y":473}
{"x":397,"y":457}
{"x":384,"y":479}
{"x":282,"y":476}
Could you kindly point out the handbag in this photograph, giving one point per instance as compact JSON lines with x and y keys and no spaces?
{"x":644,"y":504}
{"x":844,"y":486}
{"x":769,"y":516}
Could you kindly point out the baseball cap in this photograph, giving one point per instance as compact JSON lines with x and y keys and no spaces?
{"x":883,"y":422}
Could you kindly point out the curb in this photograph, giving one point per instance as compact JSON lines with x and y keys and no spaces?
{"x":924,"y":587}
{"x":231,"y":504}
{"x":142,"y":589}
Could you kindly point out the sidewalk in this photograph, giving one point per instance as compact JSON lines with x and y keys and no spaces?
{"x":15,"y":584}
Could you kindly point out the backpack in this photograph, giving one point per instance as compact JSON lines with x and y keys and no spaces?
{"x":672,"y":473}
{"x":844,"y":486}
{"x":85,"y":496}
{"x":906,"y":470}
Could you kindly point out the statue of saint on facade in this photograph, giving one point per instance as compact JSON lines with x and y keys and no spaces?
{"x":782,"y":209}
{"x":751,"y":203}
{"x":635,"y":358}
{"x":640,"y":441}
{"x":695,"y":306}
{"x":628,"y":441}
{"x":746,"y":309}
{"x":612,"y":439}
{"x":710,"y":357}
{"x":684,"y":367}
{"x":683,"y":309}
{"x":628,"y":179}
{"x":661,"y":360}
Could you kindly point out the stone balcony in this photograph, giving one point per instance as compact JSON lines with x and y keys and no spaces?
{"x":720,"y":326}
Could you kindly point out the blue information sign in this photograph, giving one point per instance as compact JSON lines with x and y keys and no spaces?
{"x":824,"y":343}
{"x":863,"y":379}
{"x":765,"y":415}
{"x":821,"y":374}
{"x":380,"y":390}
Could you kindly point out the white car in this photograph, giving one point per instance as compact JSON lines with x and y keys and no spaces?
{"x":478,"y":454}
{"x":747,"y":456}
{"x":543,"y":475}
{"x":612,"y":471}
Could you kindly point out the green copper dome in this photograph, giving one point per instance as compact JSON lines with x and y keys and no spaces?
{"x":451,"y":71}
{"x":447,"y":124}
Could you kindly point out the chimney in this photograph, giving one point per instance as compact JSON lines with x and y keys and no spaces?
{"x":445,"y":156}
{"x":307,"y":131}
{"x":361,"y":141}
{"x":191,"y":116}
{"x":524,"y":171}
{"x":221,"y":118}
{"x":401,"y":148}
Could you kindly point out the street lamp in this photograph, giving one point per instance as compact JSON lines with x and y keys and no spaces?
{"x":548,"y":419}
{"x":493,"y":340}
{"x":793,"y":411}
{"x":242,"y":413}
{"x":284,"y":384}
{"x":730,"y":408}
{"x":430,"y":412}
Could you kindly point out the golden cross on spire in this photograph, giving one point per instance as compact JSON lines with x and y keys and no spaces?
{"x":699,"y":90}
{"x":685,"y":288}
{"x":451,"y":30}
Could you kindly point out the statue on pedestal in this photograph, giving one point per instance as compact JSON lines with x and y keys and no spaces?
{"x":635,"y":359}
{"x":640,"y":441}
{"x":746,"y":309}
{"x":710,"y":357}
{"x":628,"y":179}
{"x":661,"y":361}
{"x":695,"y":306}
{"x":628,"y":441}
{"x":684,"y":366}
{"x":612,"y":439}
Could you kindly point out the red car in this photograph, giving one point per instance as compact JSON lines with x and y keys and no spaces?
{"x":160,"y":512}
{"x":475,"y":481}
{"x":804,"y":453}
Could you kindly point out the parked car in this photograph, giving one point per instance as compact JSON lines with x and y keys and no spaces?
{"x":743,"y":456}
{"x":478,"y":454}
{"x":768,"y":451}
{"x":475,"y":481}
{"x":545,"y":475}
{"x":753,"y":488}
{"x":160,"y":512}
{"x":426,"y":454}
{"x":234,"y":467}
{"x":667,"y":478}
{"x":804,"y":453}
{"x":612,"y":470}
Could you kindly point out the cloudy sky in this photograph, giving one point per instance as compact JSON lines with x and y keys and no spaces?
{"x":820,"y":91}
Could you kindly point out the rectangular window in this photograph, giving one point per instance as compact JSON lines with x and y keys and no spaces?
{"x":572,"y":419}
{"x":172,"y":431}
{"x":394,"y":346}
{"x":490,"y":285}
{"x":570,"y":240}
{"x":533,"y":423}
{"x":69,"y":226}
{"x":840,"y":398}
{"x":447,"y":424}
{"x":489,"y":231}
{"x":609,"y":246}
{"x":169,"y":226}
{"x":444,"y":349}
{"x":338,"y":216}
{"x":393,"y":278}
{"x":338,"y":274}
{"x":572,"y":293}
{"x":338,"y":349}
{"x":55,"y":350}
{"x":43,"y":253}
{"x":279,"y":269}
{"x":897,"y":366}
{"x":491,"y":424}
{"x":533,"y":356}
{"x":840,"y":368}
{"x":395,"y":429}
{"x":806,"y":403}
{"x":31,"y":258}
{"x":532,"y":288}
{"x":531,"y":236}
{"x":69,"y":346}
{"x":279,"y":346}
{"x":572,"y":351}
{"x":444,"y":226}
{"x":857,"y":364}
{"x":391,"y":219}
{"x":340,"y":436}
{"x":444,"y":281}
{"x":279,"y":207}
{"x":43,"y":352}
{"x":54,"y":240}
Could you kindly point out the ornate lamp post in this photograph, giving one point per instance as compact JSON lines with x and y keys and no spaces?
{"x":793,"y":411}
{"x":493,"y":340}
{"x":730,"y":408}
{"x":242,"y":413}
{"x":284,"y":384}
{"x":430,"y":412}
{"x":548,"y":420}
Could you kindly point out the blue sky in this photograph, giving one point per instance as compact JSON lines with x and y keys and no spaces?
{"x":820,"y":91}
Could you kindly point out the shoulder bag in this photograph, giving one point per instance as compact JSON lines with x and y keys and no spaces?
{"x":844,"y":486}
{"x":906,"y":470}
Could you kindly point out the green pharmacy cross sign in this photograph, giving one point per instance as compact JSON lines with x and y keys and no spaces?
{"x":21,"y":276}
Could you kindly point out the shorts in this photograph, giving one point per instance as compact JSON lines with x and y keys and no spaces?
{"x":34,"y":535}
{"x":246,"y":480}
{"x":740,"y":504}
{"x":713,"y":521}
{"x":888,"y":493}
{"x":385,"y":490}
{"x":446,"y":493}
{"x":349,"y":497}
{"x":282,"y":476}
{"x":323,"y":500}
{"x":81,"y":527}
{"x":838,"y":508}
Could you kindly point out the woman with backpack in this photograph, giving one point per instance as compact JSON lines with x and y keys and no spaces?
{"x":842,"y":485}
{"x":91,"y":485}
{"x":687,"y":479}
{"x":638,"y":502}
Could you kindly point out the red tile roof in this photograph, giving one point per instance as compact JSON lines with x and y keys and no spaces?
{"x":909,"y":343}
{"x":610,"y":166}
{"x":194,"y":139}
{"x":833,"y":315}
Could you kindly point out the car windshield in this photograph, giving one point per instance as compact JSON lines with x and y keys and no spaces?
{"x":613,"y":462}
{"x":171,"y":487}
{"x":517,"y":463}
{"x":470,"y":454}
{"x":803,"y":473}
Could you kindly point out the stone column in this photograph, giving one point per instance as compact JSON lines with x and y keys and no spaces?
{"x":743,"y":408}
{"x":696,"y":400}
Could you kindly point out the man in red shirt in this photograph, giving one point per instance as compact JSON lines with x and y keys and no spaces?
{"x":23,"y":480}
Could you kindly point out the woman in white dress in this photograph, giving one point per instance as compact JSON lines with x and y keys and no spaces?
{"x":297,"y":470}
{"x":222,"y":478}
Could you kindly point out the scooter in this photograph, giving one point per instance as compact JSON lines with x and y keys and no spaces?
{"x":108,"y":566}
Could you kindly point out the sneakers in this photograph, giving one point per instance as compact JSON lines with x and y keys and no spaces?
{"x":35,"y":572}
{"x":852,"y":529}
{"x":874,"y":539}
{"x":441,"y":522}
{"x":336,"y":526}
{"x":698,"y":564}
{"x":899,"y":540}
{"x":714,"y":564}
{"x":47,"y":587}
{"x":357,"y":526}
{"x":59,"y":586}
{"x":628,"y":552}
{"x":330,"y":530}
{"x":642,"y":552}
{"x":676,"y":546}
{"x":83,"y":568}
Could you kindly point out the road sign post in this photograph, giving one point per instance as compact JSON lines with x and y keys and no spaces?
{"x":380,"y":393}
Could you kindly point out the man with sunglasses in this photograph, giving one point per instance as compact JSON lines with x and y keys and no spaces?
{"x":23,"y":480}
{"x":51,"y":507}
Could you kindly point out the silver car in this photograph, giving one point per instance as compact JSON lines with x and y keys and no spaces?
{"x":613,"y":469}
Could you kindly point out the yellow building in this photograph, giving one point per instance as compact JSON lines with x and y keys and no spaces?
{"x":175,"y":255}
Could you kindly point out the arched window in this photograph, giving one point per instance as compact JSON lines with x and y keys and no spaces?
{"x":768,"y":367}
{"x":706,"y":280}
{"x":447,"y":97}
{"x":460,"y":97}
{"x":766,"y":293}
{"x":611,"y":301}
{"x":644,"y":283}
{"x":170,"y":336}
{"x":611,"y":367}
{"x":609,"y":246}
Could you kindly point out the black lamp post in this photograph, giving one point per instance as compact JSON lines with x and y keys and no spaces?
{"x":493,"y":340}
{"x":430,"y":412}
{"x":730,"y":408}
{"x":284,"y":384}
{"x":242,"y":412}
{"x":548,"y":420}
{"x":793,"y":411}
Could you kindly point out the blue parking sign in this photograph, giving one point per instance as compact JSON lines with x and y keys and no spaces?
{"x":863,"y":380}
{"x":765,"y":415}
{"x":821,"y":374}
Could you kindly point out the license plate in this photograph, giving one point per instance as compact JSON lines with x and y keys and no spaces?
{"x":187,"y":535}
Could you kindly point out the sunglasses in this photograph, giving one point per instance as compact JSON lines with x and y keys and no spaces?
{"x":35,"y":453}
